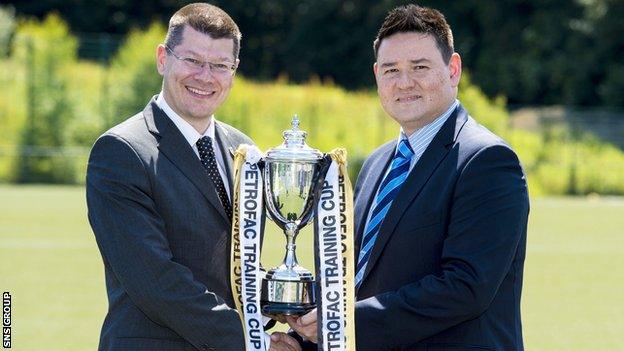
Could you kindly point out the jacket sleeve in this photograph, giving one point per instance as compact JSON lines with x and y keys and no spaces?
{"x":487,"y":221}
{"x":132,"y":239}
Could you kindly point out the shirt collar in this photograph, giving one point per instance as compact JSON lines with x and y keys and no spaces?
{"x":435,"y":124}
{"x":188,"y":131}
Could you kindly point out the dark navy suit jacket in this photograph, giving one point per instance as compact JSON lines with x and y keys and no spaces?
{"x":164,"y":238}
{"x":446,"y":270}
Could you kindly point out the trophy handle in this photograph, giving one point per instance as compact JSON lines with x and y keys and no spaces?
{"x":318,"y":180}
{"x":310,"y":206}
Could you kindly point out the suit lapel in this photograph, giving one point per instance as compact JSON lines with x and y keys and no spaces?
{"x":175,"y":147}
{"x":418,"y":177}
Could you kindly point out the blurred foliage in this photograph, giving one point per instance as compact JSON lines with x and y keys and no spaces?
{"x":490,"y":112}
{"x":133,"y":78}
{"x":47,"y":49}
{"x":533,"y":52}
{"x":7,"y":24}
{"x":57,"y":100}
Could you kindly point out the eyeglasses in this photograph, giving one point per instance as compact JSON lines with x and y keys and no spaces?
{"x":221,"y":68}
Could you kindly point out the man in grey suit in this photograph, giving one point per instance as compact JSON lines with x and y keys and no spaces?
{"x":440,"y":213}
{"x":158,"y":191}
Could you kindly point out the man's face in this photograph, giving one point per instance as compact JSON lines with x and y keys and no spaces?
{"x":194,"y":92}
{"x":414,"y":83}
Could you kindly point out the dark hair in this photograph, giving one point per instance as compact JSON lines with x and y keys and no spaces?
{"x":204,"y":18}
{"x":413,"y":18}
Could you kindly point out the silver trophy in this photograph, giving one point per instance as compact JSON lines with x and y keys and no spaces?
{"x":291,"y":177}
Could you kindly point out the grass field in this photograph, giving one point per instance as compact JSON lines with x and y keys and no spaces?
{"x":573,"y":286}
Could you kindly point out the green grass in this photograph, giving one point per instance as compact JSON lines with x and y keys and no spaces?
{"x":49,"y":261}
{"x":574,"y":275}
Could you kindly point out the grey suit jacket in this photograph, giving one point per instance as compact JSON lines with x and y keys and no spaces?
{"x":164,"y":238}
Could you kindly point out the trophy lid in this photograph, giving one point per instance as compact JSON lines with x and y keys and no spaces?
{"x":294,"y":147}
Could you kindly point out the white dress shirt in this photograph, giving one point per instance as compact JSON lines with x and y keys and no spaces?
{"x":192,"y":136}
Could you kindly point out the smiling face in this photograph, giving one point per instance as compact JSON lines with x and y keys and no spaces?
{"x":195,"y":93}
{"x":414,"y":83}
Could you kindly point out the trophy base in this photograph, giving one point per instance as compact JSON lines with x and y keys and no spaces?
{"x":286,"y":309}
{"x":290,"y":298}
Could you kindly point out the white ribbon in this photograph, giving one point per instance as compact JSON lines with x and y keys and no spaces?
{"x":250,"y":214}
{"x":330,"y":274}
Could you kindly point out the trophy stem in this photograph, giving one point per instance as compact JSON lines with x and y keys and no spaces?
{"x":290,"y":260}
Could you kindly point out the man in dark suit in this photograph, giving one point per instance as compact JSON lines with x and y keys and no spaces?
{"x":158,"y":191}
{"x":441,"y":213}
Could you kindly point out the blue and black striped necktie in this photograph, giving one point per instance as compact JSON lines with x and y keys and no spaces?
{"x":388,"y":190}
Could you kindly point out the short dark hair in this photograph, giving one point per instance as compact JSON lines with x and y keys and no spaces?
{"x":413,"y":18}
{"x":204,"y":18}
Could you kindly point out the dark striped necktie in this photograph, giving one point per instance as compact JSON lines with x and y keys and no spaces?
{"x":207,"y":157}
{"x":388,"y":190}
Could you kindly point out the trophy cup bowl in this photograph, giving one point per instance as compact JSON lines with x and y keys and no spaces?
{"x":291,"y":176}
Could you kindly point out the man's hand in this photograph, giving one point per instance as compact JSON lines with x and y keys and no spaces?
{"x":283,"y":342}
{"x":277,"y":317}
{"x":304,"y":325}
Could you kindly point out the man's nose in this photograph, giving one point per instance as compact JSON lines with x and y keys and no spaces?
{"x":205,"y":74}
{"x":404,"y":80}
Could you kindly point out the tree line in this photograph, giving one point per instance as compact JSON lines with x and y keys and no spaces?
{"x":54,"y":104}
{"x":535,"y":52}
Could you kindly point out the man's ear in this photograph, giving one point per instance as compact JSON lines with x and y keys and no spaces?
{"x":236,"y":63}
{"x":455,"y":69}
{"x":161,"y":57}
